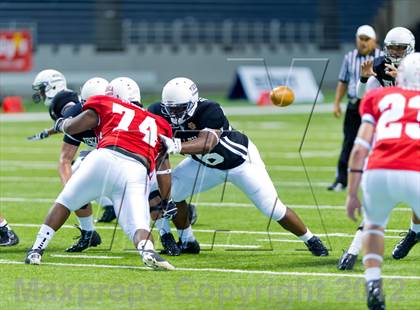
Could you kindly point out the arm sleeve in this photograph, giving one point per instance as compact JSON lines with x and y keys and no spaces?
{"x":71,"y":140}
{"x":363,"y":88}
{"x":344,"y":76}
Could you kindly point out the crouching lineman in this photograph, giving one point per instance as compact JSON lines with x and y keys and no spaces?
{"x":381,"y":72}
{"x":392,"y":175}
{"x":218,"y":154}
{"x":7,"y":236}
{"x":50,"y":85}
{"x":128,"y":145}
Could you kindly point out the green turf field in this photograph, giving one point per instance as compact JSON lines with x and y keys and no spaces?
{"x":241,"y":271}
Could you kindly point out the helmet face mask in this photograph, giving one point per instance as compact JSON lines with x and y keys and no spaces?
{"x":396,"y":52}
{"x":39,"y":94}
{"x":177,"y":112}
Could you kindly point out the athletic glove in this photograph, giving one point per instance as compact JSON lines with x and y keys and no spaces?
{"x":173,"y":146}
{"x":169,"y":209}
{"x":39,"y":136}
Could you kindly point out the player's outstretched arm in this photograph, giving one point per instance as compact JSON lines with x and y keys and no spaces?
{"x":43,"y":134}
{"x":86,"y":120}
{"x":68,"y":151}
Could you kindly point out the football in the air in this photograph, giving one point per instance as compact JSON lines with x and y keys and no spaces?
{"x":282,"y":96}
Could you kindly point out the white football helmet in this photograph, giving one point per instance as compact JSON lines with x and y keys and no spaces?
{"x":92,"y":87}
{"x":409,"y":72}
{"x":179,"y":99}
{"x":398,"y":38}
{"x":125,"y":89}
{"x":47,"y":84}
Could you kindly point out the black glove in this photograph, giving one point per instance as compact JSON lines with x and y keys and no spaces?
{"x":58,"y":126}
{"x":169,"y":209}
{"x":39,"y":136}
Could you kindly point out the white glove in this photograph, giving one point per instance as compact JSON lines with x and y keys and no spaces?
{"x":173,"y":146}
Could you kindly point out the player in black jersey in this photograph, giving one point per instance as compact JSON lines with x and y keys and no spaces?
{"x":382,"y":72}
{"x":64,"y":103}
{"x":218,"y":154}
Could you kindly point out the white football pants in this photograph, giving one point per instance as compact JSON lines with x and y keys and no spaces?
{"x":383,"y":189}
{"x":108,"y":173}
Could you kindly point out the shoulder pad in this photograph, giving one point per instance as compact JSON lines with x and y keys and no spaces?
{"x":60,"y":100}
{"x":155,"y":108}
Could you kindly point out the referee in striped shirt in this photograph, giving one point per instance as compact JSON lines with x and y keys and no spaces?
{"x":347,"y":81}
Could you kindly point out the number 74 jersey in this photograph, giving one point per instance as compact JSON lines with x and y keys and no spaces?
{"x":395,"y":112}
{"x":128,"y":126}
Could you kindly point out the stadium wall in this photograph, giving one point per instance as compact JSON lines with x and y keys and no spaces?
{"x":154,"y":65}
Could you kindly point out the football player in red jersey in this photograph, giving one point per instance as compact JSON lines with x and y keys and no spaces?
{"x":119,"y":168}
{"x":392,"y":174}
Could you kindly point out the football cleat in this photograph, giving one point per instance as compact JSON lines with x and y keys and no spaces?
{"x":86,"y":239}
{"x":191,"y":247}
{"x":192,"y":214}
{"x":403,"y":247}
{"x":8,"y":237}
{"x":33,"y":257}
{"x":108,"y":216}
{"x":316,"y":247}
{"x":375,"y":296}
{"x":337,"y":187}
{"x":169,"y":245}
{"x":153,"y":260}
{"x":347,"y":261}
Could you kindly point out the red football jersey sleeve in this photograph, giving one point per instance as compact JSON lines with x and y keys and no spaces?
{"x":128,"y":126}
{"x":395,"y":113}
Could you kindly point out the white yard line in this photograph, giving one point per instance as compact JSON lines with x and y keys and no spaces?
{"x":211,"y":231}
{"x":221,"y":270}
{"x":85,"y":256}
{"x":201,"y":204}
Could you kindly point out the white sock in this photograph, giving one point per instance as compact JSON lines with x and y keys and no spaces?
{"x":186,"y":235}
{"x":4,"y":224}
{"x":44,"y":236}
{"x":145,"y":245}
{"x":163,"y":226}
{"x":414,"y":227}
{"x":356,"y":244}
{"x":86,"y":223}
{"x":308,"y":235}
{"x":373,"y":273}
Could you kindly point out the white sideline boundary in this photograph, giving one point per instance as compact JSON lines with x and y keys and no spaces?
{"x":85,"y":256}
{"x":220,"y":270}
